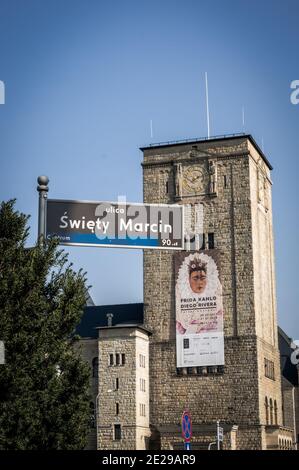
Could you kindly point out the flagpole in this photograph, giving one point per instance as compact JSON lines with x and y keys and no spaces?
{"x":207,"y":103}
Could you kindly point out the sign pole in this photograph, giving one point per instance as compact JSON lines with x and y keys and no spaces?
{"x":42,"y":188}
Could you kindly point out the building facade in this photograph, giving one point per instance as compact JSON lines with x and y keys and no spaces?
{"x":228,"y":181}
{"x":290,"y":386}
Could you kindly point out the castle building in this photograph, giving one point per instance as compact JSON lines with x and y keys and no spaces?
{"x":206,"y":337}
{"x":290,"y":385}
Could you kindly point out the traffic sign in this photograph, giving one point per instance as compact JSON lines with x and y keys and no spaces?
{"x":186,"y":426}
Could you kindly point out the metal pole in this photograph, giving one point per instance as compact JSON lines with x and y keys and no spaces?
{"x":42,"y":188}
{"x":218,"y":440}
{"x":207,"y":104}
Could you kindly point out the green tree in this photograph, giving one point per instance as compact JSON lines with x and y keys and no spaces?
{"x":44,"y":399}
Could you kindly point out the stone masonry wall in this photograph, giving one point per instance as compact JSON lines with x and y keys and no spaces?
{"x":236,"y":396}
{"x":124,"y":396}
{"x":134,"y":428}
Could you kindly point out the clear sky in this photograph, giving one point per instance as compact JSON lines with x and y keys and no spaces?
{"x":83,"y":79}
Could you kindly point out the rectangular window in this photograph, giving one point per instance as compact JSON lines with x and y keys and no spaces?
{"x":141,"y":360}
{"x":116,"y":408}
{"x":123,"y":359}
{"x":225,"y":181}
{"x":116,"y":383}
{"x":142,"y":385}
{"x":203,"y":245}
{"x":117,"y":359}
{"x":117,"y":432}
{"x":142,"y":409}
{"x":211,"y":241}
{"x":111,"y":361}
{"x":166,"y":187}
{"x":269,"y":369}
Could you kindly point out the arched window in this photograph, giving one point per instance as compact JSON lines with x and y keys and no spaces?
{"x":95,"y":367}
{"x":267,"y":410}
{"x":275,"y":412}
{"x":271,"y":411}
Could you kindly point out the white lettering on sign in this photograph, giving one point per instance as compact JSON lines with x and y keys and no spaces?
{"x":82,"y":223}
{"x":140,"y":227}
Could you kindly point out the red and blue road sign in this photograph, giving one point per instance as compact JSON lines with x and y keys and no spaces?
{"x":186,"y":426}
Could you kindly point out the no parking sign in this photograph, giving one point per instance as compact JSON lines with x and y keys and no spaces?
{"x":186,"y":427}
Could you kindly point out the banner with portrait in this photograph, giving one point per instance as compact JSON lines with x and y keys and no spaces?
{"x":199,"y":309}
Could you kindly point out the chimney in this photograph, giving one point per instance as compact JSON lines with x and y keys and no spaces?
{"x":109,"y":318}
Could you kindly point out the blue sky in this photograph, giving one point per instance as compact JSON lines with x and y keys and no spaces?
{"x":84,"y":78}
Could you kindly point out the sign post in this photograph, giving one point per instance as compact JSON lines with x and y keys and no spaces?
{"x":42,"y":206}
{"x":187,"y":429}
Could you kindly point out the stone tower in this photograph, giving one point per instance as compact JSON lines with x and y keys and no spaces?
{"x":230,"y":177}
{"x":123,"y":393}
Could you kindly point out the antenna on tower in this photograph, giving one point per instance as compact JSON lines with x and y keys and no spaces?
{"x":207,"y":103}
{"x":151,"y":126}
{"x":243,"y":118}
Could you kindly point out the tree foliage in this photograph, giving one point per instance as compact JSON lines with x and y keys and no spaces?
{"x":44,"y":402}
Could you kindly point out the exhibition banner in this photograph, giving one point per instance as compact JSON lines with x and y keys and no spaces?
{"x":199,"y":309}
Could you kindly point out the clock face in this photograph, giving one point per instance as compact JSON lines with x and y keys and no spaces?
{"x":193,"y":181}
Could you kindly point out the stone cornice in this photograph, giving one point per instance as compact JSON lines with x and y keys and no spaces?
{"x":169,"y":161}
